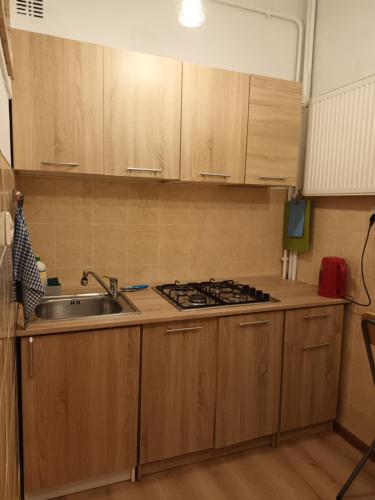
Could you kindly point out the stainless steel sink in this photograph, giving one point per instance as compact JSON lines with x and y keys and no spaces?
{"x":83,"y":306}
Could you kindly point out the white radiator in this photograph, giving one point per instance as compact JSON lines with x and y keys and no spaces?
{"x":340,"y":156}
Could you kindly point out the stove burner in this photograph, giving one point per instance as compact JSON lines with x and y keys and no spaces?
{"x":237,"y":297}
{"x":198,"y":299}
{"x":181,"y":290}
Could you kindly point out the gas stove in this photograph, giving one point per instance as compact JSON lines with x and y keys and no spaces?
{"x":188,"y":296}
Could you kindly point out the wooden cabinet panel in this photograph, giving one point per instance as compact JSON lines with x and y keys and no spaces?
{"x":273,"y":132}
{"x":214,"y":124}
{"x":178,"y":389}
{"x":311,"y":366}
{"x":249,"y":377}
{"x":57,"y":104}
{"x":142,"y":110}
{"x":79,"y":398}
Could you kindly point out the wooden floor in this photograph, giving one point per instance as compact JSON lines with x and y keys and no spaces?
{"x":308,"y":468}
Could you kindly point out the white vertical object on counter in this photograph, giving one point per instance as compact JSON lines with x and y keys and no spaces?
{"x":341,"y":141}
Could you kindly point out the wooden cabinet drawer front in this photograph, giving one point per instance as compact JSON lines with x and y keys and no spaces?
{"x":249,"y":377}
{"x":178,"y":388}
{"x":313,"y":326}
{"x":311,"y":366}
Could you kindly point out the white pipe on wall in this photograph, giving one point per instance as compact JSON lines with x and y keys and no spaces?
{"x":270,"y":13}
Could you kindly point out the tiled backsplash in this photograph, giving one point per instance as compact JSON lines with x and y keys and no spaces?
{"x":8,"y":391}
{"x":145,"y":232}
{"x":339,"y":227}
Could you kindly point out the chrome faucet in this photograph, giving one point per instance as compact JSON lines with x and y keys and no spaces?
{"x":112,"y":290}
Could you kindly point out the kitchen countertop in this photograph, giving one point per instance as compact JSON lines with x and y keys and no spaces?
{"x":155,"y":309}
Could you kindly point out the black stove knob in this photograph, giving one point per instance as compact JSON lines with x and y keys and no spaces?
{"x":259,"y":294}
{"x":266,"y":297}
{"x":252,"y":290}
{"x":245,"y":288}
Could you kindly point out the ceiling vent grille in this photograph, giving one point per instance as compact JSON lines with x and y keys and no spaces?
{"x":32,"y":8}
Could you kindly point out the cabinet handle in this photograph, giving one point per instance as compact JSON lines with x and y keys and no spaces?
{"x":59,"y":163}
{"x":255,"y":323}
{"x":134,"y":169}
{"x":181,"y":330}
{"x":273,"y":178}
{"x":315,"y":316}
{"x":31,"y":357}
{"x":212,"y":174}
{"x":316,"y":346}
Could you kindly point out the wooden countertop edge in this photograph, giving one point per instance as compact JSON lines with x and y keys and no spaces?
{"x":155,"y":309}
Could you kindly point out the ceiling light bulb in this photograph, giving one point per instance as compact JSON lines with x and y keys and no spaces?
{"x":191,"y":13}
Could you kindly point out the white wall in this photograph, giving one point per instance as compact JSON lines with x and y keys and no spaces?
{"x":344,"y":44}
{"x":231,"y":38}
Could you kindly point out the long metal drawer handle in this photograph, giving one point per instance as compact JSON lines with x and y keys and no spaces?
{"x":212,"y":174}
{"x":273,"y":178}
{"x":31,"y":354}
{"x":60,"y":163}
{"x":136,"y":169}
{"x":315,"y":316}
{"x":255,"y":323}
{"x":181,"y":330}
{"x":316,"y":346}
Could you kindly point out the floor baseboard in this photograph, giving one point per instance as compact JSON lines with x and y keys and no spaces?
{"x":352,"y":439}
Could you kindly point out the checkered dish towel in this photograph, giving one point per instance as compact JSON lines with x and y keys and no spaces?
{"x":29,"y":288}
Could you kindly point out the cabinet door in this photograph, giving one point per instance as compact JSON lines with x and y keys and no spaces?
{"x":57,"y":104}
{"x":274,"y":131}
{"x":142,"y":110}
{"x":178,"y":389}
{"x":311,"y":366}
{"x":79,"y":401}
{"x":214,"y":124}
{"x":249,"y":377}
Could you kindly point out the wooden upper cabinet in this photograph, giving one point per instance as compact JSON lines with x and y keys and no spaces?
{"x":142,"y":115}
{"x":178,"y":389}
{"x":311,"y":366}
{"x":57,"y":104}
{"x":214,"y":124}
{"x":80,"y":409}
{"x":249,"y":377}
{"x":273,"y":132}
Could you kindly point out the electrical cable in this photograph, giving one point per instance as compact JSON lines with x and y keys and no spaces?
{"x":351,"y":299}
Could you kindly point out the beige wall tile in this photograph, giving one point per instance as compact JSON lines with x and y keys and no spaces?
{"x":40,"y":198}
{"x":110,"y":203}
{"x":143,"y":245}
{"x":142,"y":274}
{"x":110,"y":245}
{"x":175,"y":245}
{"x":43,"y":240}
{"x":74,"y":200}
{"x":8,"y":389}
{"x":74,"y":245}
{"x":144,"y":203}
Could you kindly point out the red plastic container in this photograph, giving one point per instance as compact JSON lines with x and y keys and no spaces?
{"x":333,"y":276}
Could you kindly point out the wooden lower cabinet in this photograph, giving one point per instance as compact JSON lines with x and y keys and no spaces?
{"x":179,"y":362}
{"x":80,"y":408}
{"x":311,"y":366}
{"x":249,"y":377}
